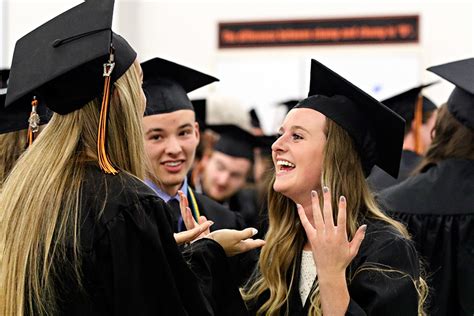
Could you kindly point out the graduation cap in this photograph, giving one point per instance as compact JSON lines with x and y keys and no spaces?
{"x":254,"y":120}
{"x":265,"y":143}
{"x":405,"y":102}
{"x":4,"y":74}
{"x":199,"y":106}
{"x":166,"y":85}
{"x":377,"y":131}
{"x":18,"y":118}
{"x":234,"y":141}
{"x":69,"y":61}
{"x":461,"y":101}
{"x":290,"y":104}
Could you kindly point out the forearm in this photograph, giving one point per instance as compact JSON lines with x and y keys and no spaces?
{"x":334,"y":294}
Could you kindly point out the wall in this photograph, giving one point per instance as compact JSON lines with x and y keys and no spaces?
{"x":186,"y":32}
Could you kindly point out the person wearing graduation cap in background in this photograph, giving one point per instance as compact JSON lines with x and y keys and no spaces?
{"x":18,"y":128}
{"x":329,"y":248}
{"x":225,"y":171}
{"x":437,"y":204}
{"x":81,"y":233}
{"x":171,"y":138}
{"x":419,"y":114}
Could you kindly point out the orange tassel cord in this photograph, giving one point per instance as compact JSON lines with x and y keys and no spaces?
{"x":104,"y":162}
{"x":418,"y":119}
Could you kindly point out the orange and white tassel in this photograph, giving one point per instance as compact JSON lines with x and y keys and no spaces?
{"x":104,"y":162}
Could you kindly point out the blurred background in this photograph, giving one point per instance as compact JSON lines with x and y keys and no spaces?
{"x":264,"y":75}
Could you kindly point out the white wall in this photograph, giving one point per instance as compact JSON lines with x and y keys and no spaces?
{"x":186,"y":32}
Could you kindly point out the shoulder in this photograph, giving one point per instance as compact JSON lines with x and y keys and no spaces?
{"x":114,"y":194}
{"x":384,"y":246}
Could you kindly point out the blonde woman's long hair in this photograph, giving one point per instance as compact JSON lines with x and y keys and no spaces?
{"x":342,"y":173}
{"x":41,"y":198}
{"x":13,"y":144}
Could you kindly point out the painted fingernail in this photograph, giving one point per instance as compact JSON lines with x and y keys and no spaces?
{"x":364,"y":228}
{"x":325,"y":189}
{"x":254,"y":231}
{"x":313,"y":193}
{"x":342,"y":199}
{"x":298,"y":206}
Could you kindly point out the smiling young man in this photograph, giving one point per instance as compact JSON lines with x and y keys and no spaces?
{"x":171,"y":139}
{"x":225,"y":172}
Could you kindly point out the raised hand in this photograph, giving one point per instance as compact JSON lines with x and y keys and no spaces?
{"x":331,"y":248}
{"x":194,"y":230}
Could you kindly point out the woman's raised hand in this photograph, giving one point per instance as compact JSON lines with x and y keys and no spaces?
{"x":332,"y":251}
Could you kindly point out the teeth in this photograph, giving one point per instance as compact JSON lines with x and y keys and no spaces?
{"x":285,"y":163}
{"x":173,"y":163}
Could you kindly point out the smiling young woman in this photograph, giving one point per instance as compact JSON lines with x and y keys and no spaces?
{"x":329,"y":249}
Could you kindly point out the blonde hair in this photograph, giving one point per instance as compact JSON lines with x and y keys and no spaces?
{"x":342,"y":172}
{"x":41,"y":198}
{"x":13,"y":144}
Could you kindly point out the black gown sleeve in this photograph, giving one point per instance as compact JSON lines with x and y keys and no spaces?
{"x":388,"y":292}
{"x":150,"y":276}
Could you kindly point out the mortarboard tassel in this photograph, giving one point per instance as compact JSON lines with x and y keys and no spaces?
{"x":418,"y":119}
{"x":104,"y":162}
{"x":33,"y":122}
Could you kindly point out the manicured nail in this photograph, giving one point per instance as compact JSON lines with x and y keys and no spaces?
{"x":364,"y":228}
{"x":325,"y":189}
{"x":298,"y":206}
{"x":313,"y":193}
{"x":254,"y":231}
{"x":212,"y":223}
{"x":342,"y":199}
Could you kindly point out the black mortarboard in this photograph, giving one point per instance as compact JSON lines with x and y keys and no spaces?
{"x":377,"y":131}
{"x":4,"y":74}
{"x":167,"y":84}
{"x":461,"y":101}
{"x":404,"y":103}
{"x":234,"y":141}
{"x":200,"y":110}
{"x":254,"y":120}
{"x":16,"y":119}
{"x":265,"y":143}
{"x":290,"y":104}
{"x":62,"y":61}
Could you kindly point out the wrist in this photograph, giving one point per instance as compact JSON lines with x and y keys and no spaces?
{"x":331,"y":276}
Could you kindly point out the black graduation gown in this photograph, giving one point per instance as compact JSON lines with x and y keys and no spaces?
{"x":379,"y":179}
{"x":438,"y":208}
{"x":371,"y":293}
{"x":245,"y":203}
{"x":130,"y":262}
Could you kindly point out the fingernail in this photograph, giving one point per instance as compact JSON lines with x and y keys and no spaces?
{"x":325,"y":189}
{"x":313,"y":193}
{"x":298,"y":206}
{"x":212,"y":223}
{"x":364,"y":228}
{"x":254,"y":231}
{"x":343,"y":199}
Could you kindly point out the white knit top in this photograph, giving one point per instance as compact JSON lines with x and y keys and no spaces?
{"x":307,"y":274}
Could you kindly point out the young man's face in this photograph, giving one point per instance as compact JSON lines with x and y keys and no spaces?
{"x":170,"y":142}
{"x":224,"y":175}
